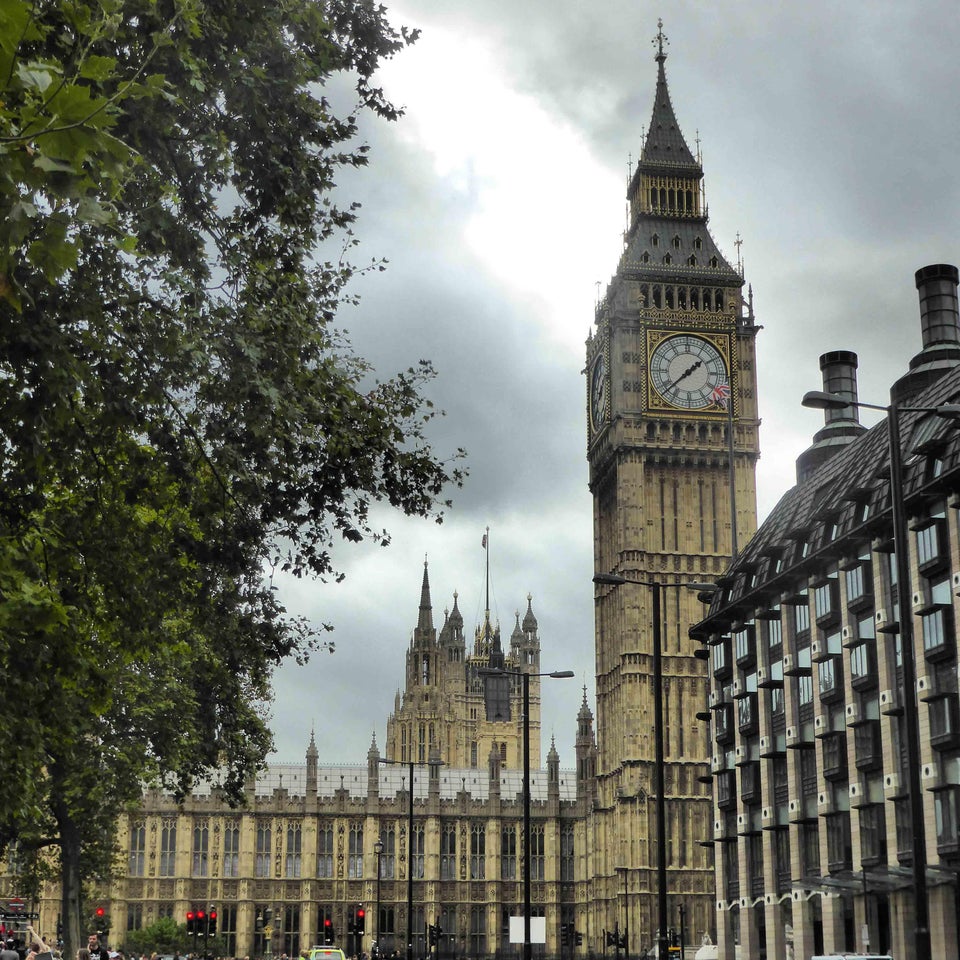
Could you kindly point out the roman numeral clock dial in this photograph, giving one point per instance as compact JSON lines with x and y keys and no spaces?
{"x":688,"y":372}
{"x":598,"y":393}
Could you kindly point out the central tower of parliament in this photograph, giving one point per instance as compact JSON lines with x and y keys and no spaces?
{"x":672,"y":442}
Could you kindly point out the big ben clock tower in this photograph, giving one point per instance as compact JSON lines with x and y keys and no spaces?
{"x":672,"y":447}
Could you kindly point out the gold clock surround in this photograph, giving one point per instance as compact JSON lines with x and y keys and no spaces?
{"x":715,"y":344}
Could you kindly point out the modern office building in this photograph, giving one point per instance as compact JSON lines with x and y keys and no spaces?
{"x":828,"y":699}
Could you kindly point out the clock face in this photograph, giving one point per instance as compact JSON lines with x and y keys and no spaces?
{"x":598,"y":393}
{"x":689,"y":372}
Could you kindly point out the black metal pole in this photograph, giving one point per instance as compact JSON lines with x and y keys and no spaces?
{"x":731,"y":453}
{"x":626,"y":917}
{"x":658,"y":775}
{"x":921,"y":933}
{"x":527,"y":946}
{"x":376,"y":924}
{"x":683,"y":929}
{"x":410,"y":869}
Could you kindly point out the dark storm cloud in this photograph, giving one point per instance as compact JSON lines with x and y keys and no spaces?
{"x":829,"y":140}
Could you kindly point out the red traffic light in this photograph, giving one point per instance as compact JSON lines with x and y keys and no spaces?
{"x":361,"y":914}
{"x":200,"y":914}
{"x":100,"y":911}
{"x":189,"y":914}
{"x":328,"y":922}
{"x":213,"y":914}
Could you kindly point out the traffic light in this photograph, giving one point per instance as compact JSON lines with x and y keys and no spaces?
{"x":191,"y":923}
{"x":351,"y":921}
{"x":361,"y":921}
{"x":433,"y":934}
{"x":565,"y":933}
{"x":258,"y":922}
{"x":201,"y":922}
{"x":579,"y":936}
{"x":100,"y":916}
{"x":212,"y":921}
{"x":327,"y":930}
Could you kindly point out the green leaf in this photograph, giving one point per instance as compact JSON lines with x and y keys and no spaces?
{"x":34,"y":76}
{"x":96,"y":67}
{"x":52,"y":164}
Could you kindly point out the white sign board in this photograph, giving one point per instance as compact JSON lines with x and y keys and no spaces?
{"x":538,"y":929}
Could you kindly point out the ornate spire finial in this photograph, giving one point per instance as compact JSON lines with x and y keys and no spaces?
{"x":738,"y":243}
{"x":660,"y":39}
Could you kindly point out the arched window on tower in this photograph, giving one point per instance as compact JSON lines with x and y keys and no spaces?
{"x":689,"y":201}
{"x":645,"y":257}
{"x":644,"y":295}
{"x":657,"y":302}
{"x":676,"y":242}
{"x":692,"y":260}
{"x":694,"y":298}
{"x":425,"y":669}
{"x":663,"y":197}
{"x":707,"y":300}
{"x":654,"y":197}
{"x":667,"y":259}
{"x":655,"y":240}
{"x":698,"y":243}
{"x":713,"y":261}
{"x":668,"y":295}
{"x":682,"y":298}
{"x":718,"y":300}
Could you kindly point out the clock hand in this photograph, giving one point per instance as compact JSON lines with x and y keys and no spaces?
{"x":686,"y":373}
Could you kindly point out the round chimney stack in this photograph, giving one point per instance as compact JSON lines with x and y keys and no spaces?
{"x":939,"y":313}
{"x":839,"y":371}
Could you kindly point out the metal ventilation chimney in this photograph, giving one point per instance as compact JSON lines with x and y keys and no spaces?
{"x":841,"y":426}
{"x":939,"y":327}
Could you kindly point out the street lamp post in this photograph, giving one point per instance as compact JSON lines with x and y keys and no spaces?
{"x":615,"y":580}
{"x":525,"y":679}
{"x":378,"y":850}
{"x":820,"y":400}
{"x":410,"y":765}
{"x":624,"y":938}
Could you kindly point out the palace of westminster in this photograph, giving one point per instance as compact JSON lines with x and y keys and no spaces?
{"x":811,"y":802}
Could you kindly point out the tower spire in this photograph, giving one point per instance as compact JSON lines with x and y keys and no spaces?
{"x":660,"y":39}
{"x":425,"y":621}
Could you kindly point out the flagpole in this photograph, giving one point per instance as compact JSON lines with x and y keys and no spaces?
{"x":733,"y":475}
{"x":486,"y":550}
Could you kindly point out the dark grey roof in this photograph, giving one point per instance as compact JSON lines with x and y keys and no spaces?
{"x":688,"y":231}
{"x":831,"y":495}
{"x":292,"y":777}
{"x":665,"y":145}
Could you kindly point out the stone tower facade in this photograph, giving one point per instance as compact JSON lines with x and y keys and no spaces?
{"x":672,"y":447}
{"x":449,"y":705}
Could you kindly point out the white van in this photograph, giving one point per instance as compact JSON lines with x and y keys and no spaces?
{"x":852,"y":956}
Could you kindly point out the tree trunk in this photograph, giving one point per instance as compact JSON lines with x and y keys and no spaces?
{"x":70,"y":882}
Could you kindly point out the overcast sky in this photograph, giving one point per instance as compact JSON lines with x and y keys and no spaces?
{"x":830,"y":134}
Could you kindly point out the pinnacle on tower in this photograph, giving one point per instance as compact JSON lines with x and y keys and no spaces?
{"x":665,"y":142}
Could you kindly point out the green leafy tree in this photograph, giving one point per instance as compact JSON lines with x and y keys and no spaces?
{"x":165,"y":936}
{"x":178,"y":416}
